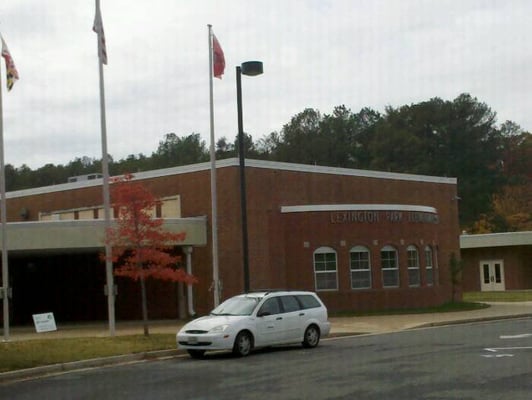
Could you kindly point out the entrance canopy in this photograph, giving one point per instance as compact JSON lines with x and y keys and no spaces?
{"x":75,"y":235}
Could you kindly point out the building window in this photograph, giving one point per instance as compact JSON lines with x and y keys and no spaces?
{"x":413,"y":266}
{"x":429,"y":265}
{"x":325,"y":269}
{"x":360,"y":268}
{"x":389,"y":267}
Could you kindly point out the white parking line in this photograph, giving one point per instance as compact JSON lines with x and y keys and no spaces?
{"x":496,"y":355}
{"x":498,"y":352}
{"x":496,"y":349}
{"x":521,"y":336}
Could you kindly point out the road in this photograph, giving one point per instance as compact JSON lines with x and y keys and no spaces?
{"x":477,"y":361}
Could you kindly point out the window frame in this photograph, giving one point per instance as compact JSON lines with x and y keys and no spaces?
{"x":360,"y":271}
{"x":386,"y":269}
{"x":429,"y":265}
{"x":325,"y":250}
{"x":412,"y":256}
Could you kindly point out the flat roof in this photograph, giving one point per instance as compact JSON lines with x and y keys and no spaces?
{"x":496,"y":240}
{"x":233,"y":162}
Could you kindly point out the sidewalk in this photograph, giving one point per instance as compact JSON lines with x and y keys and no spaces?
{"x":392,"y":323}
{"x":339,"y":325}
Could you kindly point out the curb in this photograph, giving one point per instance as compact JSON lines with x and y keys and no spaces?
{"x":471,"y":320}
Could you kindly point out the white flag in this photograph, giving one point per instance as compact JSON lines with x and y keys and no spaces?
{"x":98,"y":28}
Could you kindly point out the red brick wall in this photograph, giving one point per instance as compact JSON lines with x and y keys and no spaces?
{"x":276,"y":252}
{"x":280,"y":258}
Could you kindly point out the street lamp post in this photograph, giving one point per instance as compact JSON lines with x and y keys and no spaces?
{"x":249,"y":68}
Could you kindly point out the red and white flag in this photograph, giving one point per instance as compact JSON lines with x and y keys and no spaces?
{"x":11,"y":70}
{"x":98,"y":28}
{"x":218,"y":60}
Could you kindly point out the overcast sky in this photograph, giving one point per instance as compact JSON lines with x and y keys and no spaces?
{"x":316,"y":53}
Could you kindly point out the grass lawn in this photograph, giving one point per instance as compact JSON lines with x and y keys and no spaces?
{"x":34,"y":353}
{"x":509,"y":295}
{"x":447,"y":307}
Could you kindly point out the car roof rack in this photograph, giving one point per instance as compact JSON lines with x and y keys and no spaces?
{"x":268,"y":291}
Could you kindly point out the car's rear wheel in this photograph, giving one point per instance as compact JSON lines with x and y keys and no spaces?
{"x":311,"y":337}
{"x":243,"y":344}
{"x":196,"y":353}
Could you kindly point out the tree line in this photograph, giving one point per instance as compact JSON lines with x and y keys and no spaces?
{"x":454,"y":138}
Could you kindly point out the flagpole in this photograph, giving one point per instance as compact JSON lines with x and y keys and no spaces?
{"x":214,"y":211}
{"x":106,"y":196}
{"x":3,"y":215}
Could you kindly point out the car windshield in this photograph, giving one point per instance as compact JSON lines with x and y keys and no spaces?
{"x":241,"y":305}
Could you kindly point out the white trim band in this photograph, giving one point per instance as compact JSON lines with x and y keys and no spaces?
{"x":358,"y":207}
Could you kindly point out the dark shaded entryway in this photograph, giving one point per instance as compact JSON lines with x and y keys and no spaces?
{"x":69,"y":285}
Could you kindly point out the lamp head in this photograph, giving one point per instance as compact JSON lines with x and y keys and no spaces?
{"x":252,"y":68}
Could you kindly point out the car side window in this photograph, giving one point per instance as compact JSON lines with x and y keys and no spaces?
{"x":290,"y":304}
{"x":270,"y":307}
{"x":308,"y":301}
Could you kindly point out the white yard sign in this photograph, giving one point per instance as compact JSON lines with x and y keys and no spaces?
{"x":44,"y":322}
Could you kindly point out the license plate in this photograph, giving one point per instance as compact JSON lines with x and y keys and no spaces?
{"x":192,"y":340}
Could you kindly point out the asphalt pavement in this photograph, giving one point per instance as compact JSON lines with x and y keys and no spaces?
{"x":339,"y":326}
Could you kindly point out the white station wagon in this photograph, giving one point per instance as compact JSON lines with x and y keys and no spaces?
{"x":254,"y":320}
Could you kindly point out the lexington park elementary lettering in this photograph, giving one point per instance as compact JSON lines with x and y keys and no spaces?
{"x":375,"y":217}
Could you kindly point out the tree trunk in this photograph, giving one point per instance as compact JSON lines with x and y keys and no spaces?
{"x":144,"y":306}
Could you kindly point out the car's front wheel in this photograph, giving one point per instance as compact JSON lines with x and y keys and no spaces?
{"x":243,"y":344}
{"x":311,"y":337}
{"x":196,"y":353}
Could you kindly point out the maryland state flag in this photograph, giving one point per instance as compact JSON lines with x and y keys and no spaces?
{"x":218,"y":58}
{"x":11,"y":70}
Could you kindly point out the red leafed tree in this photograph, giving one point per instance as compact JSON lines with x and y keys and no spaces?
{"x":142,"y":249}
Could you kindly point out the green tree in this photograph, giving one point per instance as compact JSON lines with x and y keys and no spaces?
{"x":365,"y":124}
{"x":24,"y":178}
{"x":250,"y":151}
{"x":50,"y":174}
{"x":337,"y":136}
{"x":132,"y":162}
{"x":300,"y":139}
{"x":224,"y":149}
{"x":339,"y":139}
{"x":268,"y":145}
{"x":174,"y":151}
{"x":444,"y":138}
{"x":81,"y":166}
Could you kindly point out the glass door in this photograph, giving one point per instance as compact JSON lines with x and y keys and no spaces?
{"x":492,"y":275}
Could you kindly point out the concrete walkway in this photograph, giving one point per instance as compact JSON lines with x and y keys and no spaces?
{"x":340,"y":326}
{"x":392,"y":323}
